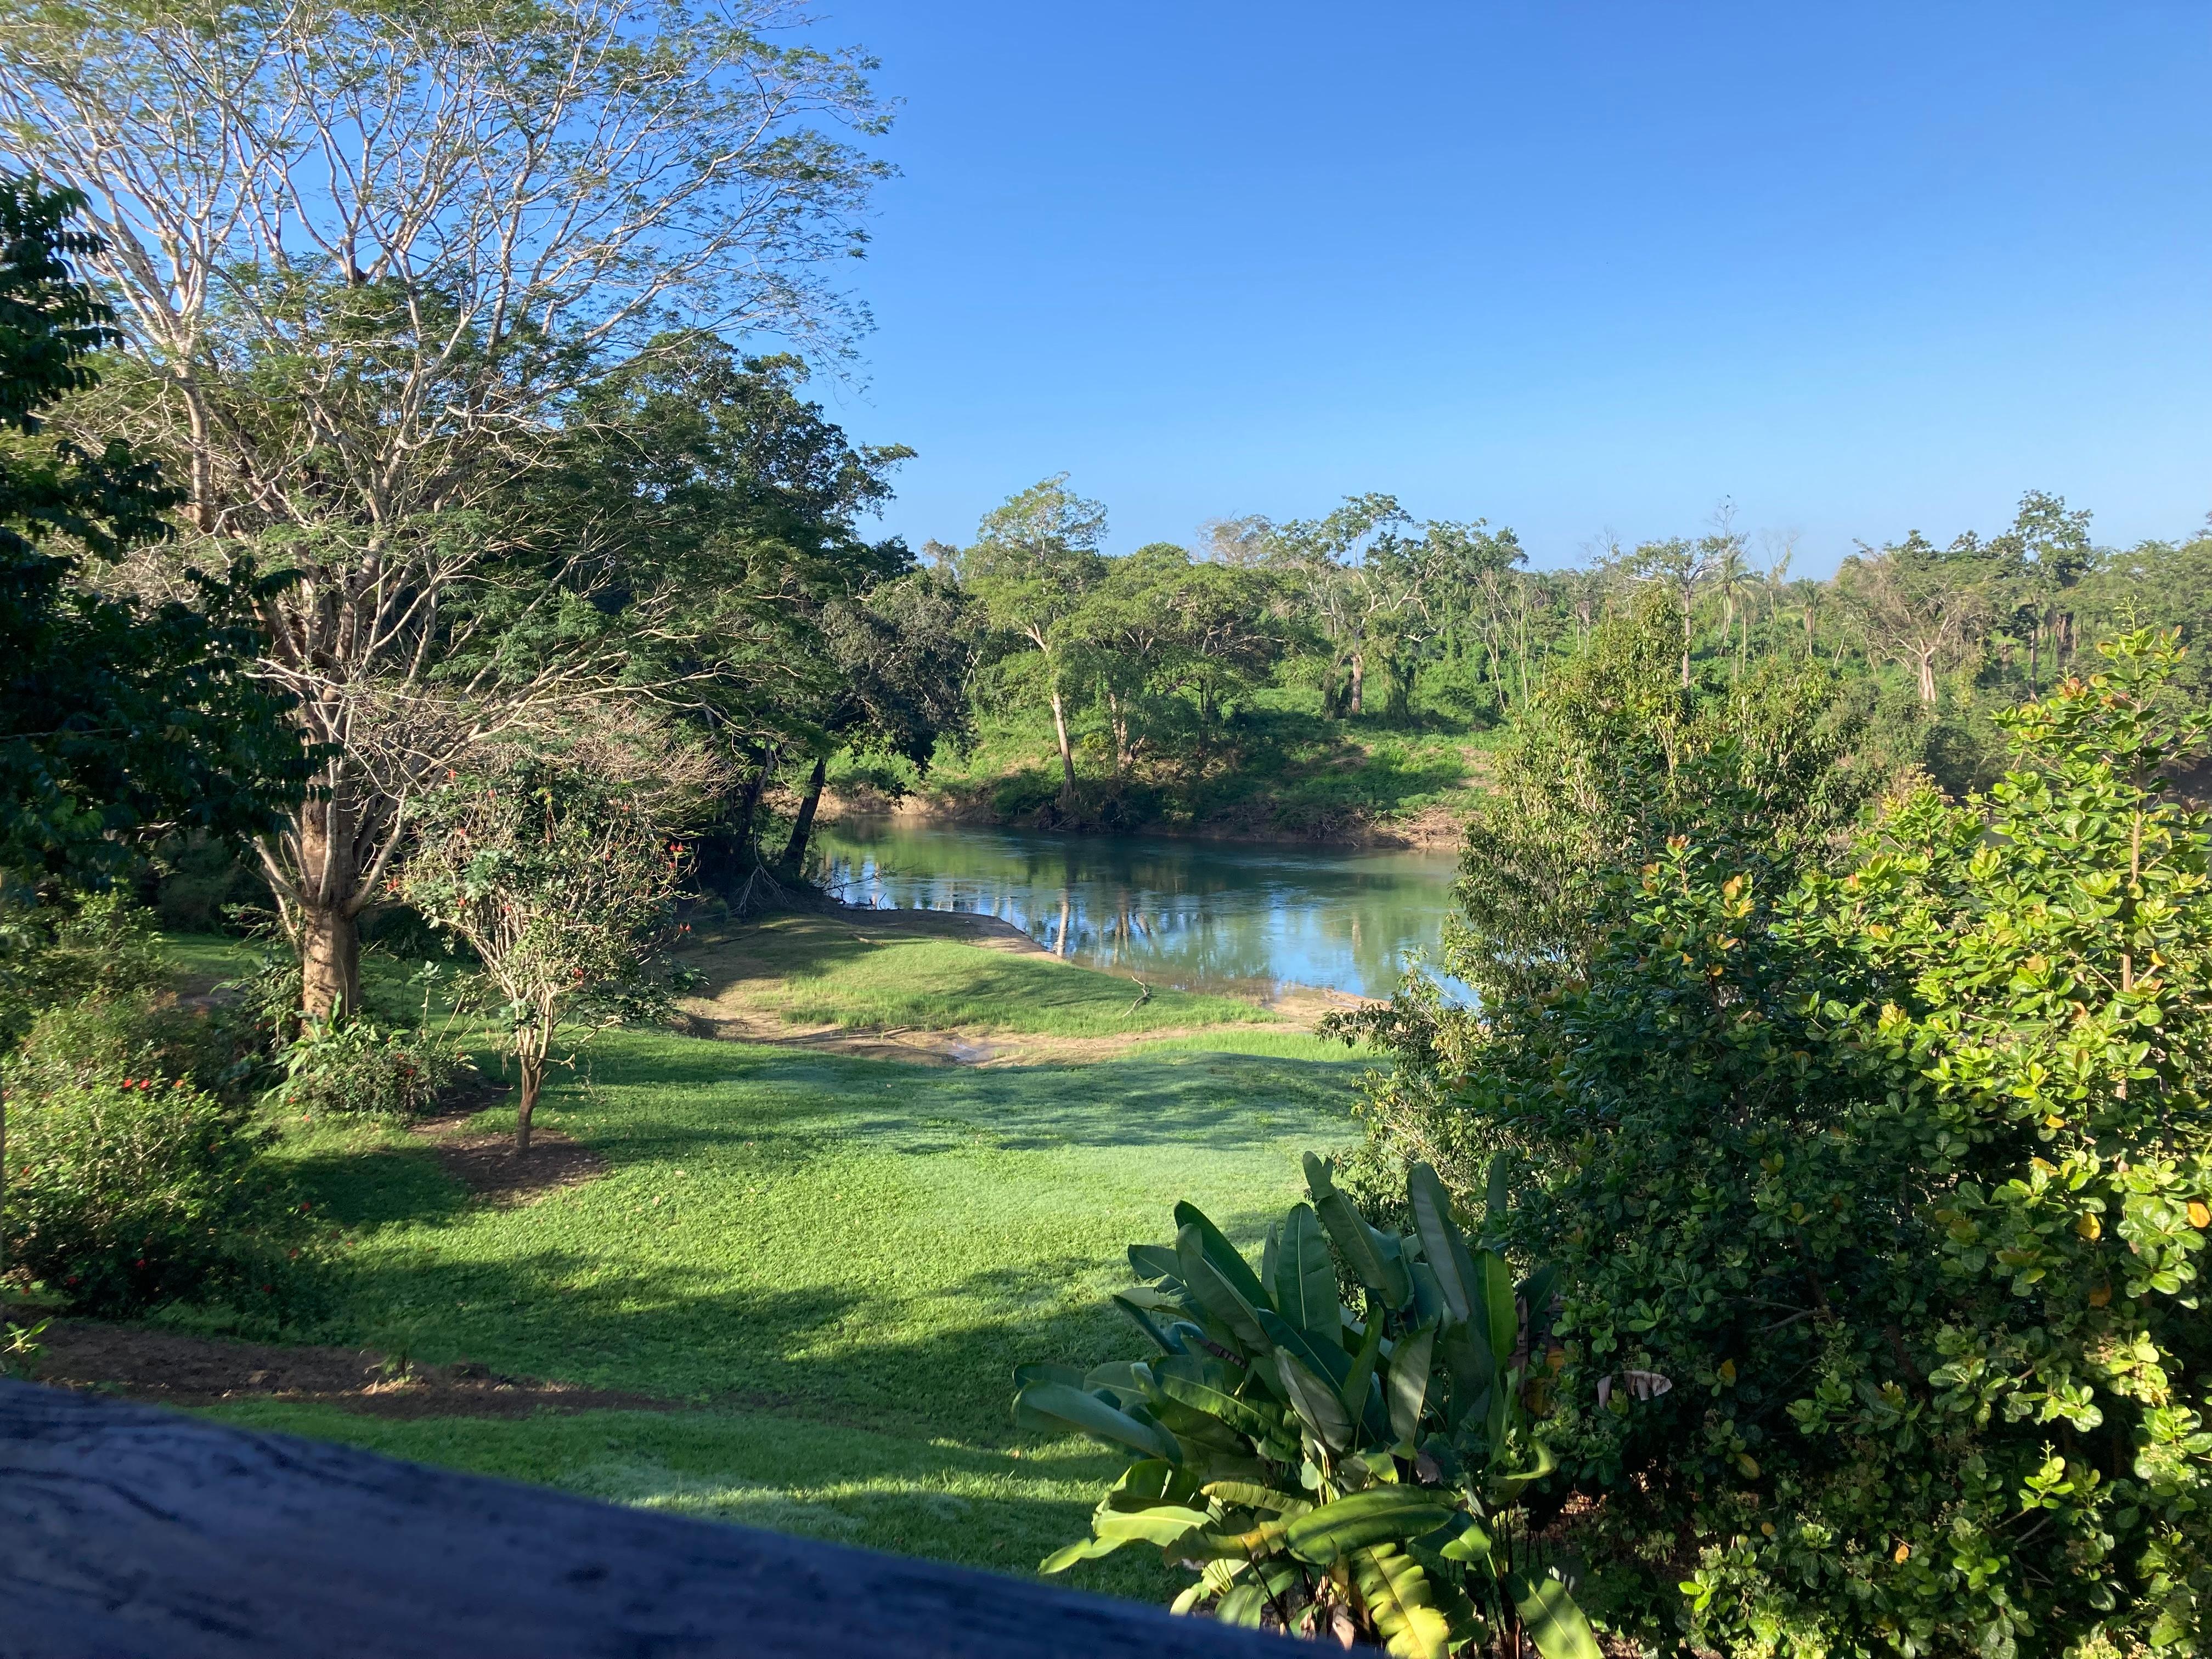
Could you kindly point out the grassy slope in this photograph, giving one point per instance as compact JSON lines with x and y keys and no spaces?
{"x":1293,"y":772}
{"x":837,"y":1261}
{"x":816,"y":970}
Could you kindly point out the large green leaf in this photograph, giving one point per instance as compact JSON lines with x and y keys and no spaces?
{"x":1164,"y":1524}
{"x":1026,"y":1374}
{"x":1205,"y":1384}
{"x":1130,"y":1379}
{"x":1086,"y":1549}
{"x":1270,"y":1251}
{"x":1153,"y":1262}
{"x":1315,"y":1399}
{"x":1305,"y":1281}
{"x":1328,"y":1359}
{"x":1252,"y":1495}
{"x":1555,"y":1624}
{"x":1373,"y":1257}
{"x":1056,"y":1405}
{"x":1443,"y":1246}
{"x":1359,"y":1391}
{"x":1401,"y":1601}
{"x":1536,"y":1291}
{"x":1152,"y":1327}
{"x":1150,"y":1481}
{"x":1497,"y":1198}
{"x":1218,"y":1296}
{"x":1409,"y":1382}
{"x":1379,"y":1515}
{"x":1226,"y":1260}
{"x":1494,"y":1306}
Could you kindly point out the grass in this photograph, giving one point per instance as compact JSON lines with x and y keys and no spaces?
{"x":858,"y":972}
{"x":833,"y":1262}
{"x":1279,"y":768}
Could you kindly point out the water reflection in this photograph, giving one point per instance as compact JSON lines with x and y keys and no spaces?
{"x":1197,"y":915}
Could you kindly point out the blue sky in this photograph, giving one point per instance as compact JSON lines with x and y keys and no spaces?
{"x":1860,"y":268}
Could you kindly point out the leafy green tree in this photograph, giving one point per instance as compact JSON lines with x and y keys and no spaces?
{"x":1345,"y":593}
{"x":372,"y":261}
{"x":563,"y":886}
{"x":1919,"y":604}
{"x":903,"y":653}
{"x":1899,"y":1172}
{"x":116,"y":721}
{"x":1035,"y":562}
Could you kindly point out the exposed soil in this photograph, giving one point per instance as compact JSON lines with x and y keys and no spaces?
{"x":175,"y":1368}
{"x":485,"y":1162}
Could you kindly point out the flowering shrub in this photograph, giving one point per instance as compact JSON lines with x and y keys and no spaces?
{"x":127,"y":1193}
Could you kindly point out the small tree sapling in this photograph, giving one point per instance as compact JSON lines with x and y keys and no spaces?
{"x":564,"y":886}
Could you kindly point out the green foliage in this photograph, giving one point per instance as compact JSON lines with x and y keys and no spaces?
{"x":564,"y":887}
{"x":1899,"y":1171}
{"x":131,"y":1186}
{"x":1320,"y":1471}
{"x":358,"y":1065}
{"x":114,"y":718}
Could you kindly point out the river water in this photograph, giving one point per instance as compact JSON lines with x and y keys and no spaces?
{"x":1197,"y":915}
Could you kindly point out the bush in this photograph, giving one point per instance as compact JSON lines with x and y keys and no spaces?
{"x":357,"y":1065}
{"x":129,"y":1193}
{"x":1332,"y":1473}
{"x":221,"y":1051}
{"x":1899,"y":1171}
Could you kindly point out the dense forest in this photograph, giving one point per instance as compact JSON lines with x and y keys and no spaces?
{"x":1231,"y":683}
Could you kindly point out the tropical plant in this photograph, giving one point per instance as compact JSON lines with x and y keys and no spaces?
{"x":1328,"y":1472}
{"x":563,"y":885}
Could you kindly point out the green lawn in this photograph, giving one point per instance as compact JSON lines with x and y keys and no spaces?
{"x":834,"y":1261}
{"x":820,"y":971}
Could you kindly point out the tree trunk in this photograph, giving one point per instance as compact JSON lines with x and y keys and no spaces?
{"x":1358,"y":681}
{"x":1118,"y":718}
{"x":1066,"y":750}
{"x":749,"y":805}
{"x":1927,"y":677}
{"x":533,"y":1080}
{"x":794,"y":850}
{"x":330,"y":962}
{"x":329,"y":935}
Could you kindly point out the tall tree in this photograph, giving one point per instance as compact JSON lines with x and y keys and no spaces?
{"x":1919,"y":604}
{"x":1035,"y":561}
{"x":116,"y":719}
{"x":371,"y":260}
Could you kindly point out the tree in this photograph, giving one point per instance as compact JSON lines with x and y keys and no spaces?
{"x":371,"y":260}
{"x":116,"y":721}
{"x":902,"y":653}
{"x":563,"y":884}
{"x":1898,"y":1170}
{"x":706,"y":478}
{"x":1345,"y":593}
{"x":1035,"y":561}
{"x":1919,"y":604}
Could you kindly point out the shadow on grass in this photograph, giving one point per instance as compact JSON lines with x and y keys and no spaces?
{"x":1225,"y":1101}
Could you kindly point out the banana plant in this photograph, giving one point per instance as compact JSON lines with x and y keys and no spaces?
{"x":1325,"y":1471}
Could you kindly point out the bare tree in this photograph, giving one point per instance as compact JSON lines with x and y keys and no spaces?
{"x":1917,"y":604}
{"x":370,"y":258}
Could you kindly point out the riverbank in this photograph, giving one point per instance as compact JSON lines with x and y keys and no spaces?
{"x":1279,"y":774}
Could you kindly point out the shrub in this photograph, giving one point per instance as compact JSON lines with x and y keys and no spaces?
{"x":149,"y":1035}
{"x":1900,"y":1170}
{"x":357,"y":1065}
{"x":129,"y":1193}
{"x":1353,"y":1477}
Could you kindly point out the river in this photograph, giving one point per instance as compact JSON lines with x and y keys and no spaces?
{"x":1197,"y":915}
